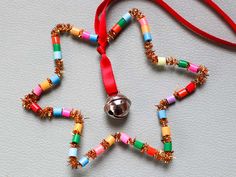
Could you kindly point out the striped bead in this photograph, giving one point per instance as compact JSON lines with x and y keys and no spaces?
{"x":99,"y":149}
{"x":73,"y":152}
{"x":45,"y":85}
{"x":171,"y":99}
{"x":57,"y":112}
{"x":110,"y":139}
{"x":193,"y":68}
{"x":56,"y":40}
{"x":161,"y":114}
{"x":57,"y":55}
{"x":138,"y":144}
{"x":37,"y":90}
{"x":66,"y":112}
{"x":127,"y":17}
{"x":147,"y":37}
{"x":167,"y":146}
{"x":93,"y":38}
{"x":84,"y":161}
{"x":161,"y":61}
{"x":165,"y":131}
{"x":55,"y":79}
{"x":124,"y":138}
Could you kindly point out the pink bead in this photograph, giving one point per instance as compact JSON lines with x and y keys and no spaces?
{"x":124,"y":138}
{"x":143,"y":21}
{"x":37,"y":90}
{"x":193,"y":68}
{"x":66,"y":112}
{"x":99,"y":149}
{"x":86,"y":35}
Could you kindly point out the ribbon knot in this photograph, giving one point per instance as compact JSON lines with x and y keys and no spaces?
{"x":101,"y":50}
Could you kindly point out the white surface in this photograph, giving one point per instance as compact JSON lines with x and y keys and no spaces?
{"x":203,"y":125}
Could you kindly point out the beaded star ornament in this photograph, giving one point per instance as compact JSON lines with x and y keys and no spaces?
{"x":30,"y":101}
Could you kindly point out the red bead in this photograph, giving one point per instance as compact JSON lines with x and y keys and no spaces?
{"x":151,"y":151}
{"x":191,"y":87}
{"x":35,"y":107}
{"x":55,"y":40}
{"x":116,"y":28}
{"x":182,"y":93}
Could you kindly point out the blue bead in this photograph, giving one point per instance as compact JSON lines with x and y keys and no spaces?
{"x":73,"y":152}
{"x":127,"y":17}
{"x":57,"y":55}
{"x":93,"y":37}
{"x":161,"y":114}
{"x":57,"y":112}
{"x":84,"y":161}
{"x":55,"y":79}
{"x":147,"y":37}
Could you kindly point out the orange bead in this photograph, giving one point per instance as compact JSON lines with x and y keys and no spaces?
{"x":182,"y":93}
{"x":165,"y":131}
{"x":55,"y":40}
{"x":116,"y":28}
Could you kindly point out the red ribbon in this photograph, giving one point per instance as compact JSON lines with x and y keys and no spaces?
{"x":100,"y":29}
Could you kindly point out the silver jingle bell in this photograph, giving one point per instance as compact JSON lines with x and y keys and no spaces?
{"x":117,"y":106}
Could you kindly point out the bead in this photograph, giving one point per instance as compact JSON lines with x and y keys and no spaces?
{"x":84,"y":161}
{"x":57,"y":55}
{"x":37,"y":90}
{"x":138,"y":144}
{"x":76,"y":138}
{"x":143,"y":21}
{"x":99,"y":149}
{"x":110,"y":139}
{"x":165,"y":131}
{"x":124,"y":138}
{"x":116,"y":28}
{"x":66,"y":112}
{"x":93,"y":38}
{"x":76,"y":31}
{"x":161,"y":114}
{"x":122,"y":23}
{"x":145,"y":28}
{"x":161,"y":61}
{"x":56,"y":47}
{"x":167,"y":146}
{"x":171,"y":99}
{"x":78,"y":127}
{"x":127,"y":17}
{"x":147,"y":37}
{"x":73,"y":152}
{"x":55,"y":79}
{"x":86,"y":35}
{"x":182,"y":93}
{"x":193,"y":68}
{"x":35,"y":107}
{"x":183,"y":64}
{"x":151,"y":151}
{"x":45,"y":85}
{"x":57,"y":112}
{"x":191,"y":87}
{"x":55,"y":40}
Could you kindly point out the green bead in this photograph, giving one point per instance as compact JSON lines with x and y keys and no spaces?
{"x":56,"y":47}
{"x":168,"y":146}
{"x":138,"y":144}
{"x":183,"y":64}
{"x":121,"y":22}
{"x":76,"y":138}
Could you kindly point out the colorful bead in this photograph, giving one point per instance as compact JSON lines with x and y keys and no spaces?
{"x":57,"y":55}
{"x":99,"y":149}
{"x":73,"y":152}
{"x":110,"y":139}
{"x":93,"y":38}
{"x":124,"y":138}
{"x":143,"y":21}
{"x":161,"y":61}
{"x":171,"y":99}
{"x":161,"y":114}
{"x":165,"y":131}
{"x":55,"y":40}
{"x":35,"y":107}
{"x":76,"y":31}
{"x":151,"y":151}
{"x":191,"y":87}
{"x":55,"y":79}
{"x":116,"y":28}
{"x":86,"y":35}
{"x":45,"y":85}
{"x":121,"y":22}
{"x":182,"y":93}
{"x":183,"y":64}
{"x":147,"y":37}
{"x":37,"y":90}
{"x":57,"y":112}
{"x":56,"y":47}
{"x":78,"y":128}
{"x":138,"y":144}
{"x":145,"y":28}
{"x":66,"y":112}
{"x":167,"y":146}
{"x":84,"y":161}
{"x":76,"y":138}
{"x":127,"y":17}
{"x":193,"y":68}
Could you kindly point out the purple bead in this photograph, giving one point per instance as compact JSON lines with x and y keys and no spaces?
{"x":171,"y":99}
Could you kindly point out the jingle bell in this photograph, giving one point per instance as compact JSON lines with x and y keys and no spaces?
{"x":117,"y":106}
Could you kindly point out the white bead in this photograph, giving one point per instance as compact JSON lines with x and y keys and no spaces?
{"x":73,"y":152}
{"x":161,"y":61}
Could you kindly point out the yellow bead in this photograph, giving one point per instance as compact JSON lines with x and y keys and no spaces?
{"x":76,"y":31}
{"x":161,"y":61}
{"x":165,"y":131}
{"x":145,"y":28}
{"x":110,"y":139}
{"x":78,"y":127}
{"x":45,"y":85}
